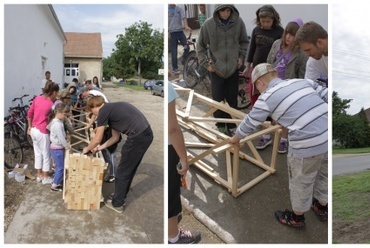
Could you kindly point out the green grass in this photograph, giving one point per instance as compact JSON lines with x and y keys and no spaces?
{"x":351,"y":197}
{"x":351,"y":150}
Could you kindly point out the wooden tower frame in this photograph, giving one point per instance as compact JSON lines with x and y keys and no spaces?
{"x":197,"y":124}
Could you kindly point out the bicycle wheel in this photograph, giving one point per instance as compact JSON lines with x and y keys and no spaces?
{"x":13,"y":151}
{"x":189,"y":73}
{"x":243,"y":98}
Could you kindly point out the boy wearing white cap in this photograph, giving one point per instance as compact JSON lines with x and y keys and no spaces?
{"x":301,"y":106}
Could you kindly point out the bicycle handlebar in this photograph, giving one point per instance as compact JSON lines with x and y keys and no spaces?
{"x":19,"y":98}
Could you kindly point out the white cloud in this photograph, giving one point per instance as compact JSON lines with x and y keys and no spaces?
{"x":351,"y":55}
{"x":109,"y":20}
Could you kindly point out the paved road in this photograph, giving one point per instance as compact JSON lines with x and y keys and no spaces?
{"x":350,"y":164}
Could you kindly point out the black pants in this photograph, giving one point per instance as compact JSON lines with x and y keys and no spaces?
{"x":174,"y":184}
{"x":225,"y":89}
{"x":131,"y":155}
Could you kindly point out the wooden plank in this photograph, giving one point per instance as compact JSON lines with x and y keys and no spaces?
{"x":210,"y":119}
{"x":83,"y":177}
{"x":190,"y":102}
{"x":199,"y":145}
{"x":206,"y":153}
{"x":275,"y":149}
{"x":235,"y":172}
{"x":252,"y":183}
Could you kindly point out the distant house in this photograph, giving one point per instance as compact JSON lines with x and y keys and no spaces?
{"x":83,"y":56}
{"x":33,"y":44}
{"x":367,"y":112}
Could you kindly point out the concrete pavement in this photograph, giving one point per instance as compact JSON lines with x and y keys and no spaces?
{"x":249,"y":218}
{"x":42,"y":217}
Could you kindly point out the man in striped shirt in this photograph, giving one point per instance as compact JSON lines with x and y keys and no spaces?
{"x":301,"y":106}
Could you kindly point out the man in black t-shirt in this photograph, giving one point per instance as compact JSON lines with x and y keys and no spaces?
{"x":122,"y":117}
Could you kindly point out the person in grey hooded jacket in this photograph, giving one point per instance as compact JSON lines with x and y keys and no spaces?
{"x":221,"y":48}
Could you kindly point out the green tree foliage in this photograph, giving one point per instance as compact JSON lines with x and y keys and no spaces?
{"x":339,"y":106}
{"x":349,"y":131}
{"x":139,"y":52}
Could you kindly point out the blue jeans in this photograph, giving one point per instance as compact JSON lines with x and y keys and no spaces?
{"x":175,"y":38}
{"x":132,"y":153}
{"x":110,"y":159}
{"x":58,"y":156}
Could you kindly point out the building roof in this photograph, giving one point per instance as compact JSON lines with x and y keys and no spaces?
{"x":83,"y":45}
{"x":57,"y":20}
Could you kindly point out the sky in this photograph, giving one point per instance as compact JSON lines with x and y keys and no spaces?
{"x":351,"y":55}
{"x":108,"y":19}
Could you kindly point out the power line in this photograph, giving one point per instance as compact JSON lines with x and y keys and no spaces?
{"x":351,"y":74}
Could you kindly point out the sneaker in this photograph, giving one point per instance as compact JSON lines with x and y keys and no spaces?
{"x":187,"y":237}
{"x":119,"y":210}
{"x":47,"y":180}
{"x":286,"y":218}
{"x":39,"y":179}
{"x":110,"y":197}
{"x":322,"y":214}
{"x":263,"y":143}
{"x":56,"y":188}
{"x":110,"y":179}
{"x":283,"y":147}
{"x":176,"y":72}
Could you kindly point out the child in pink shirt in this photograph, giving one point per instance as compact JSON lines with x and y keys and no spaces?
{"x":37,"y":117}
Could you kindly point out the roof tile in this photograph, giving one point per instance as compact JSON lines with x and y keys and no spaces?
{"x":87,"y":45}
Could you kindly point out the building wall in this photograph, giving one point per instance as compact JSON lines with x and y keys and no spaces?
{"x":287,"y":12}
{"x":33,"y":44}
{"x":89,"y":67}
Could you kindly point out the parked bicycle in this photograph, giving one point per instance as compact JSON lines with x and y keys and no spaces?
{"x":195,"y":74}
{"x":20,"y":122}
{"x":13,"y":149}
{"x":16,"y":138}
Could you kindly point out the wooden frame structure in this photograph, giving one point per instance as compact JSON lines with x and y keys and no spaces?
{"x":197,"y":124}
{"x":83,"y":174}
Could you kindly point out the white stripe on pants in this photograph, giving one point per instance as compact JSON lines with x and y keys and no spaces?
{"x":41,"y":148}
{"x":308,"y":177}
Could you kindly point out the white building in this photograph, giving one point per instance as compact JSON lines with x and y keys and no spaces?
{"x":33,"y":44}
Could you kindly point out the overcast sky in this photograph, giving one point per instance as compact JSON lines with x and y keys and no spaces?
{"x":108,"y":19}
{"x":351,"y":55}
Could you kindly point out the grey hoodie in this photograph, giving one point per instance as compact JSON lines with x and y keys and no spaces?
{"x":57,"y":134}
{"x":227,"y":43}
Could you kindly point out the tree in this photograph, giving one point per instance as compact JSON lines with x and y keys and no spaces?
{"x":349,"y":131}
{"x":339,"y":106}
{"x":139,"y":52}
